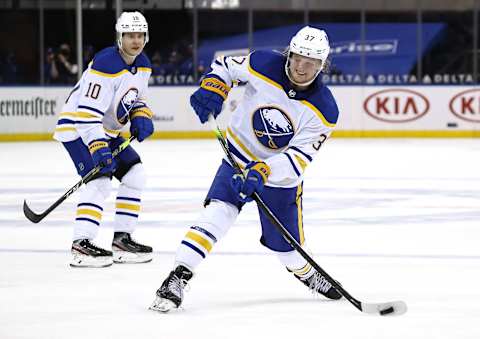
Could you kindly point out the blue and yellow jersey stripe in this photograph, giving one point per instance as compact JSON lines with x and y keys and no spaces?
{"x":298,"y":159}
{"x":68,"y":120}
{"x":117,"y":74}
{"x":318,"y":114}
{"x":263,"y":77}
{"x":298,"y":201}
{"x":241,"y":153}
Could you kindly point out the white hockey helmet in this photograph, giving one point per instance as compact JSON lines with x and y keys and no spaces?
{"x":309,"y":42}
{"x":130,"y":22}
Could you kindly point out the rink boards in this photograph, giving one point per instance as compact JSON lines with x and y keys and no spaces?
{"x":30,"y":113}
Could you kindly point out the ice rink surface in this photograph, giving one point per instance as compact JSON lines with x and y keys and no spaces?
{"x":394,"y":219}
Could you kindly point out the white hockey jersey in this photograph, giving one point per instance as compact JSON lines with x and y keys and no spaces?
{"x":273,"y":122}
{"x":98,"y":105}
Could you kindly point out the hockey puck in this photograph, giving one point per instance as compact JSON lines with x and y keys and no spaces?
{"x":387,"y":311}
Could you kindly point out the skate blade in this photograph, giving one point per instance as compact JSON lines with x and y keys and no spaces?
{"x":162,"y":305}
{"x":82,"y":260}
{"x":123,"y":257}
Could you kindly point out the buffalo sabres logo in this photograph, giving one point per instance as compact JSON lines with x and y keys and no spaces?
{"x":272,"y":127}
{"x":126,"y":104}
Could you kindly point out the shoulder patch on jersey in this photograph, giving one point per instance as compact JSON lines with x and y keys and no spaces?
{"x":108,"y":61}
{"x":323,"y":104}
{"x":269,"y":66}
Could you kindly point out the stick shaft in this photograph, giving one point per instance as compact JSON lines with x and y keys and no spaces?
{"x":278,"y":224}
{"x":35,"y":218}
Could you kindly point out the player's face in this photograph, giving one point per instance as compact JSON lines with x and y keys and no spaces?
{"x":132,"y":43}
{"x":303,"y":69}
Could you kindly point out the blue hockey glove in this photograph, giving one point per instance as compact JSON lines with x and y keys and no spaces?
{"x":256,"y":176}
{"x":141,"y":125}
{"x":102,"y":156}
{"x":209,"y":98}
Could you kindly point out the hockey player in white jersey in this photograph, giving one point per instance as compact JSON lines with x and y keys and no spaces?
{"x":285,"y":116}
{"x":111,"y":92}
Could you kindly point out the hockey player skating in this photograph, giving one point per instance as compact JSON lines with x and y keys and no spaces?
{"x":285,"y":116}
{"x":111,"y":92}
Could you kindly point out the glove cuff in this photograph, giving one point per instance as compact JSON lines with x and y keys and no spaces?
{"x":141,"y":112}
{"x":96,"y":145}
{"x":217,"y":86}
{"x":261,"y":168}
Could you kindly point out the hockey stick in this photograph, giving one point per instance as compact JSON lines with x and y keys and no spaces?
{"x":388,"y":308}
{"x":35,"y":218}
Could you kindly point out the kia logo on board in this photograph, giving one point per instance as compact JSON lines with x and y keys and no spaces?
{"x":466,"y":105}
{"x":396,"y":105}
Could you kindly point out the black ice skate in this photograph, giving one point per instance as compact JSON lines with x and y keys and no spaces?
{"x":86,"y":254}
{"x":318,"y":284}
{"x":128,"y":251}
{"x":170,"y":294}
